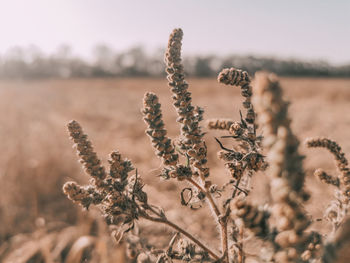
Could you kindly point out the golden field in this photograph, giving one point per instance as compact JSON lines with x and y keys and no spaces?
{"x":37,"y":155}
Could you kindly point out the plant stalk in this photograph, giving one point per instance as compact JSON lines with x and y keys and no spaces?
{"x":182,"y":231}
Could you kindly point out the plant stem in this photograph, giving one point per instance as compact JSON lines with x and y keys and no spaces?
{"x":208,"y":196}
{"x":197,"y":185}
{"x":221,"y":219}
{"x":182,"y":231}
{"x":224,"y":240}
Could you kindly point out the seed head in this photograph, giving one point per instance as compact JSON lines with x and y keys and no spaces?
{"x":88,"y":157}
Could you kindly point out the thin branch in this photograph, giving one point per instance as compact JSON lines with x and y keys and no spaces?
{"x":222,"y":146}
{"x":194,"y":183}
{"x":182,"y":231}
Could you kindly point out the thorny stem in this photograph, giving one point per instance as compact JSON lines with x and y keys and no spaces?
{"x":182,"y":231}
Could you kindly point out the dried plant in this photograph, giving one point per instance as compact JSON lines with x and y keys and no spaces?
{"x":338,"y":209}
{"x":282,"y":225}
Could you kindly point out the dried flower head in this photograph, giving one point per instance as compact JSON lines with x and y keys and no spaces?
{"x":339,"y":156}
{"x":189,"y":116}
{"x":326,"y":178}
{"x":88,"y":157}
{"x":119,"y":193}
{"x":116,"y":194}
{"x":286,"y":172}
{"x":156,"y":130}
{"x":255,"y":219}
{"x":237,"y":77}
{"x":220,"y":124}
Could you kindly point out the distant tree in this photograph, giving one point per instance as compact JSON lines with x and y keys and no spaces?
{"x":31,"y":62}
{"x":104,"y":61}
{"x":202,"y":67}
{"x":134,"y":62}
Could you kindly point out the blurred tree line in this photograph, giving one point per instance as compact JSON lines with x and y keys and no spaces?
{"x":32,"y":63}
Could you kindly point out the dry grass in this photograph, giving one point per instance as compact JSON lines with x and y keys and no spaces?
{"x":37,"y":156}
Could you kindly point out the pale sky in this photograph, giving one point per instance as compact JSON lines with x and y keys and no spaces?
{"x":307,"y":29}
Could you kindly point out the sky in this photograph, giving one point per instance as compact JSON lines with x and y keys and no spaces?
{"x":311,"y":30}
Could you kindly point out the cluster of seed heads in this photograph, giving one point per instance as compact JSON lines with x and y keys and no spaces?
{"x":116,"y":193}
{"x":341,"y":161}
{"x":255,"y":219}
{"x":191,"y":135}
{"x":284,"y":226}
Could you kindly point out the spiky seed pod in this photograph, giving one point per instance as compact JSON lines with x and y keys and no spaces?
{"x":182,"y":172}
{"x":220,"y":124}
{"x":156,"y":130}
{"x":117,"y":196}
{"x":237,"y":77}
{"x":85,"y":196}
{"x":255,"y":161}
{"x":255,"y":219}
{"x":326,"y":178}
{"x":234,"y":77}
{"x":119,"y":170}
{"x":332,"y":146}
{"x":189,"y":116}
{"x":236,"y":169}
{"x":88,"y":157}
{"x":341,"y":160}
{"x":135,"y":189}
{"x":229,"y":156}
{"x":176,"y":77}
{"x":236,"y":129}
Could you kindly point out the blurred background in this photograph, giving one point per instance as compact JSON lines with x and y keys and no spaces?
{"x":62,"y":39}
{"x":93,"y":60}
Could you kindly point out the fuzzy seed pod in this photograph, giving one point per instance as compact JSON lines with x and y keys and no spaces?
{"x":285,"y":172}
{"x":254,"y":219}
{"x":156,"y":130}
{"x":220,"y":124}
{"x":85,"y":196}
{"x":339,"y":156}
{"x":119,"y":168}
{"x":326,"y":178}
{"x":189,"y":116}
{"x":237,"y":77}
{"x":88,"y":157}
{"x":236,"y":169}
{"x":313,"y":248}
{"x":234,"y":77}
{"x":332,"y":146}
{"x":229,"y":156}
{"x":236,"y":129}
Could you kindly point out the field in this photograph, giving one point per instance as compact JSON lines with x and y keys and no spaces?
{"x":37,"y":155}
